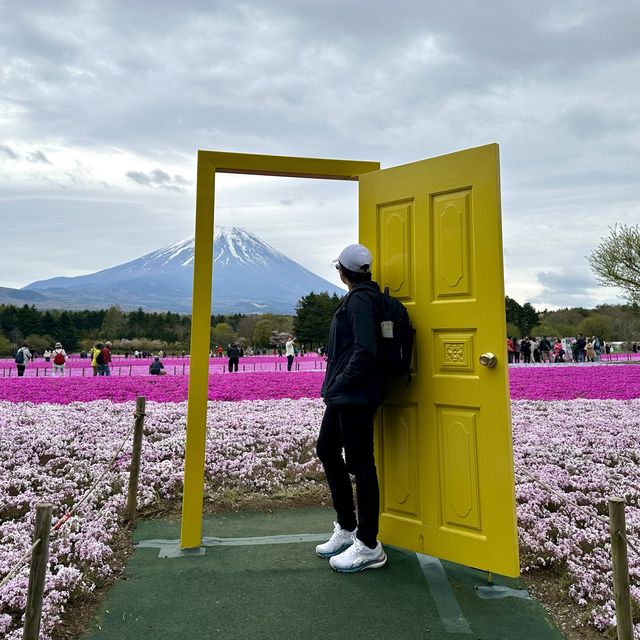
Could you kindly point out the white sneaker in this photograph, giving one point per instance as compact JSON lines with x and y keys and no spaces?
{"x":359,"y":557}
{"x":340,"y":540}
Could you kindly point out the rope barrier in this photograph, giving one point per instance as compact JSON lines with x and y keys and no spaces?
{"x":19,"y":564}
{"x":631,"y":546}
{"x":69,"y":514}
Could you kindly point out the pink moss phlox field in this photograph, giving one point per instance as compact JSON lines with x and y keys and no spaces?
{"x":585,"y":451}
{"x":120,"y":366}
{"x":605,"y":381}
{"x":526,"y":383}
{"x":55,"y":453}
{"x":270,"y":385}
{"x":582,"y":447}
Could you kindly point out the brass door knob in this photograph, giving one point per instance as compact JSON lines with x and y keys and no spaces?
{"x":488,"y":359}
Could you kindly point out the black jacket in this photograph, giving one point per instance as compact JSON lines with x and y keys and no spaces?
{"x":353,"y":374}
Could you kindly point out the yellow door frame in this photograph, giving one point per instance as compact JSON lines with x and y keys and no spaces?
{"x":210,"y":163}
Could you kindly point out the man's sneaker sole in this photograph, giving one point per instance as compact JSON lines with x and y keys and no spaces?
{"x":326,"y":556}
{"x":372,"y":564}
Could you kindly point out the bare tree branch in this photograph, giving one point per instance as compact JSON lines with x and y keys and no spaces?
{"x":616,"y":260}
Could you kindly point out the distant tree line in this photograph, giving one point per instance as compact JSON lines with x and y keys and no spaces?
{"x":609,"y":322}
{"x":79,"y":330}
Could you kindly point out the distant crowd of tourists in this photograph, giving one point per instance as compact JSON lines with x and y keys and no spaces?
{"x":581,"y":349}
{"x":101,"y":357}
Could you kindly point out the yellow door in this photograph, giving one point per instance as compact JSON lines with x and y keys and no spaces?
{"x":443,"y":442}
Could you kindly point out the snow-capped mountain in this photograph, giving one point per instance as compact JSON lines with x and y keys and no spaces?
{"x":249,"y":276}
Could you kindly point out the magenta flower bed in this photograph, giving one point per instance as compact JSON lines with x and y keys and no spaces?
{"x":266,"y":385}
{"x":120,"y":366}
{"x":595,"y":382}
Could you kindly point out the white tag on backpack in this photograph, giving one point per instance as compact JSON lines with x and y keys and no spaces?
{"x":387,"y":328}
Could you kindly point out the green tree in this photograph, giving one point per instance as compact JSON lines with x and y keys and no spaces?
{"x":9,"y":320}
{"x":6,"y":347}
{"x":625,"y":321}
{"x":49,"y":325}
{"x":512,"y":330}
{"x":262,"y":333}
{"x":528,"y":318}
{"x":513,"y":311}
{"x":616,"y":260}
{"x":313,"y":318}
{"x":114,"y":326}
{"x":38,"y":343}
{"x":222,"y":334}
{"x":137,"y":322}
{"x":525,"y":317}
{"x":67,"y":333}
{"x":246,"y":327}
{"x":599,"y":325}
{"x":562,"y":322}
{"x":29,"y":320}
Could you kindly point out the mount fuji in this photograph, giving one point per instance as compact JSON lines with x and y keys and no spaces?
{"x":249,"y":276}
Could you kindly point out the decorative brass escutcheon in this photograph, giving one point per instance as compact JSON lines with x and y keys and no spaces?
{"x":488,"y":359}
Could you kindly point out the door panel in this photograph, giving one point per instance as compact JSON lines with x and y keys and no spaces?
{"x":457,"y":448}
{"x":451,"y":246}
{"x":443,"y":443}
{"x":400,"y":481}
{"x":397,"y":257}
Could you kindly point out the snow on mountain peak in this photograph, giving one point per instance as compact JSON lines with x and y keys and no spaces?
{"x":235,"y":244}
{"x":231,"y":244}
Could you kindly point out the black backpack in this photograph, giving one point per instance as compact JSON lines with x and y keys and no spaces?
{"x":19,"y":356}
{"x":100,"y":358}
{"x":396,"y":337}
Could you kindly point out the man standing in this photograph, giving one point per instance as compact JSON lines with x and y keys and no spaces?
{"x":22,"y":357}
{"x":582,"y":347}
{"x":545,"y":349}
{"x":352,"y":391}
{"x":59,"y":359}
{"x":103,"y":367}
{"x":290,"y":351}
{"x":233,"y":352}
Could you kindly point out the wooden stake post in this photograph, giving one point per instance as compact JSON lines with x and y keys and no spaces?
{"x":39,"y":562}
{"x":624,"y":619}
{"x":134,"y":473}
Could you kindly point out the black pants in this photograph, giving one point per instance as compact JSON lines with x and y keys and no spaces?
{"x":289,"y":362}
{"x":233,"y":364}
{"x":350,"y":427}
{"x":20,"y":368}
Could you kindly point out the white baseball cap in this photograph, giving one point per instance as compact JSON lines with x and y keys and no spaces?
{"x":357,"y":258}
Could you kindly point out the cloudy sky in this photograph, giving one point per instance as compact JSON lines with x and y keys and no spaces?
{"x":103,"y":106}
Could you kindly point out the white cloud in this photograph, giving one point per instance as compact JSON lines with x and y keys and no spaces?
{"x":105,"y":104}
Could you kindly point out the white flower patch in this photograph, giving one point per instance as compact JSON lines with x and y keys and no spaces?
{"x":54,"y":453}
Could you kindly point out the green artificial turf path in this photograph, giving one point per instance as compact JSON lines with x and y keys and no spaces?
{"x":265,"y":585}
